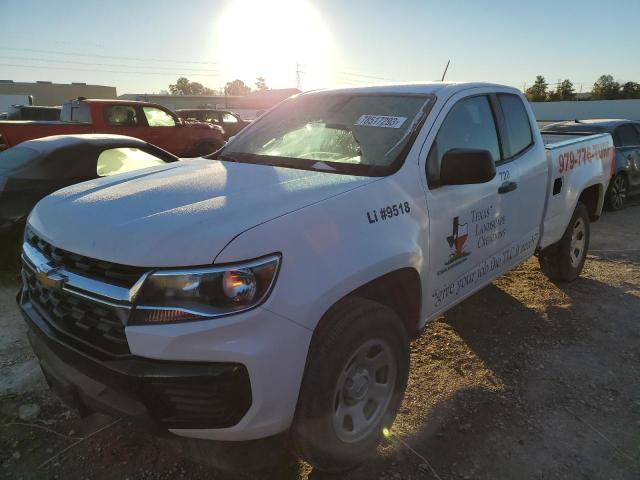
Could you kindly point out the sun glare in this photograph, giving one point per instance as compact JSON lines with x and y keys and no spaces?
{"x":271,"y":39}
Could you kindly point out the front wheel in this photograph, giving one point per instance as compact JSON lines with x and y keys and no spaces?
{"x":564,"y":260}
{"x":353,"y":385}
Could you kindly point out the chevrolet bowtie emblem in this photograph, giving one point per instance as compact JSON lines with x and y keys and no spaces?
{"x":50,"y":277}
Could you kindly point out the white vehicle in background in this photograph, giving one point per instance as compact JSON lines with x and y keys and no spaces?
{"x":7,"y":101}
{"x":275,"y":287}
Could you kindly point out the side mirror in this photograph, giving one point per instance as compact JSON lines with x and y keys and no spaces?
{"x":179,"y":122}
{"x":462,"y":166}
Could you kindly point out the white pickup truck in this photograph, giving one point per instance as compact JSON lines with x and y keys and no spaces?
{"x":274,"y":287}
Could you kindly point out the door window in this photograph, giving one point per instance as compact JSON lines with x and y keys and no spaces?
{"x":518,"y":129}
{"x":627,"y":136}
{"x":469,"y":124}
{"x":158,"y":118}
{"x":228,"y":118}
{"x":121,"y":116}
{"x":120,"y":160}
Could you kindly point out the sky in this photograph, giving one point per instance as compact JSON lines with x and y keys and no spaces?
{"x":143,"y":46}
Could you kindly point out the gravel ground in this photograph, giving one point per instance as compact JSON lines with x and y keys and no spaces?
{"x":524,"y":380}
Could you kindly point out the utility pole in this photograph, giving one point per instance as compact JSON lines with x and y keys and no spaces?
{"x":298,"y":84}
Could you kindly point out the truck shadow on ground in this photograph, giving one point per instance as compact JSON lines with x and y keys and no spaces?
{"x":495,"y":386}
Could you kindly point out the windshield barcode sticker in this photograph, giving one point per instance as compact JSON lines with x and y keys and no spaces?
{"x":381,"y":121}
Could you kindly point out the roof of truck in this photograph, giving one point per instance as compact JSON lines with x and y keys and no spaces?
{"x":420,"y":88}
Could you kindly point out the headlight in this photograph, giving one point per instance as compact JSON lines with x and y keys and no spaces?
{"x":194,"y":294}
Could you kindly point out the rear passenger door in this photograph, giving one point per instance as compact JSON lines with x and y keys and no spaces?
{"x":523,"y":168}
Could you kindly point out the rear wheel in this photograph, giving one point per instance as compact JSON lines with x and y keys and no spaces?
{"x":354,"y":382}
{"x":564,"y":260}
{"x":617,"y":194}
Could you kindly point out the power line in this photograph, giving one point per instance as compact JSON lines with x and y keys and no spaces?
{"x":48,"y":67}
{"x":92,"y":55}
{"x":62,"y":62}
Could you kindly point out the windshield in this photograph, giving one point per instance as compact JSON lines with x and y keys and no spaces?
{"x":344,"y":133}
{"x":17,"y":157}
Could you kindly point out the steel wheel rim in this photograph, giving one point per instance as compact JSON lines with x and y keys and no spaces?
{"x":578,"y":239}
{"x":364,"y":390}
{"x":618,"y":191}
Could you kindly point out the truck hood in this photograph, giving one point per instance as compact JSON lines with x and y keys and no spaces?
{"x":180,"y":214}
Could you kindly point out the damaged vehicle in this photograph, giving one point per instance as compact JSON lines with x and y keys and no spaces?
{"x":273,"y":288}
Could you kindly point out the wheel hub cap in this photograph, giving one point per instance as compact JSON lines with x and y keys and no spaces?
{"x":577,"y":242}
{"x":364,"y":390}
{"x":356,"y":386}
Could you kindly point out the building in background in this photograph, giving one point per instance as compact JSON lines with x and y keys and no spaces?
{"x":248,"y":107}
{"x":53,"y":94}
{"x":568,"y":110}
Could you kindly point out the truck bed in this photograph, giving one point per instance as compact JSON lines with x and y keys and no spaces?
{"x":576,"y":162}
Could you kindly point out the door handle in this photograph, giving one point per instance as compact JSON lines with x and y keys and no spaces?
{"x":507,"y":187}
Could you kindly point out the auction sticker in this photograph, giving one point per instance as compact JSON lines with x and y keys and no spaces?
{"x":382,"y":121}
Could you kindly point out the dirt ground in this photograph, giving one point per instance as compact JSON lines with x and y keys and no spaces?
{"x":524,"y":380}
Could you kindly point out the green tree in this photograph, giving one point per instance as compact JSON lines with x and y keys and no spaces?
{"x":565,"y":90}
{"x":184,"y":87}
{"x":630,"y":90}
{"x":538,"y":91}
{"x":605,"y":88}
{"x":261,"y":84}
{"x":237,"y":87}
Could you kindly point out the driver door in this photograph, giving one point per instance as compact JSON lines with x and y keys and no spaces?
{"x":468,"y":226}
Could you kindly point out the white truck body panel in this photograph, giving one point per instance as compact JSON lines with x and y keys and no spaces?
{"x":331,"y":240}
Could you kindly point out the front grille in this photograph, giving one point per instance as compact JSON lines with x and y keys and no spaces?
{"x":114,"y":273}
{"x":93,"y":324}
{"x":218,"y":401}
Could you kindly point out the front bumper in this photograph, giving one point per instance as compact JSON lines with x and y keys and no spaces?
{"x":168,"y":394}
{"x":235,"y":378}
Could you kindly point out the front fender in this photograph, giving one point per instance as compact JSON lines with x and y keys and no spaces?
{"x":335,"y":246}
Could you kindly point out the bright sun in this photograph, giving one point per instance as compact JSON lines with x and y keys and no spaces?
{"x":268,"y":38}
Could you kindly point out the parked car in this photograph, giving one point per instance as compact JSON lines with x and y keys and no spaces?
{"x":33,"y":169}
{"x":230,"y":122}
{"x":626,"y":137}
{"x":33,"y":112}
{"x":275,"y":287}
{"x":147,"y":121}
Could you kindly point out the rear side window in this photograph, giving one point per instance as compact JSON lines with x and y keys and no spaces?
{"x":120,"y":160}
{"x":17,"y":157}
{"x":469,"y":124}
{"x":627,"y":136}
{"x":121,"y":116}
{"x":518,"y":129}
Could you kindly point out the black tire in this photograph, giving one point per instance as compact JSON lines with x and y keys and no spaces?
{"x":560,"y":262}
{"x":617,"y":192}
{"x":349,"y":327}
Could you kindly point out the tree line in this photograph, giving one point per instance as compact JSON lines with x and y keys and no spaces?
{"x":236,"y":87}
{"x":605,"y":88}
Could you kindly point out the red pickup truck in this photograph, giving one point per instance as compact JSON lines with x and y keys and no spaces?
{"x":146,"y":121}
